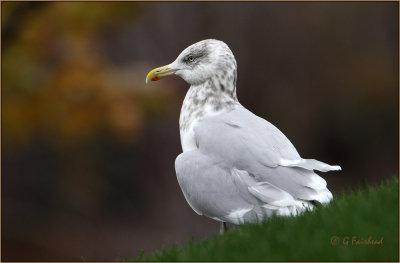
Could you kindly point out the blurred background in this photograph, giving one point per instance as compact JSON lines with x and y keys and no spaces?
{"x":88,"y":149}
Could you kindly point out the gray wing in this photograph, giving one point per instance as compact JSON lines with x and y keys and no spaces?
{"x":248,"y":143}
{"x":227,"y":194}
{"x":246,"y":133}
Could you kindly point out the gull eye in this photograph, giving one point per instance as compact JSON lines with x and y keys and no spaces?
{"x":190,"y":59}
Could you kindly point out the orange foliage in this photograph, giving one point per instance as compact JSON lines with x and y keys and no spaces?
{"x":58,"y":84}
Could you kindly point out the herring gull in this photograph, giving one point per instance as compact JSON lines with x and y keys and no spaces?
{"x":235,"y":166}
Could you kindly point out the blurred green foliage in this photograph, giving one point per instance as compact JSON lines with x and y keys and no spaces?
{"x":319,"y":235}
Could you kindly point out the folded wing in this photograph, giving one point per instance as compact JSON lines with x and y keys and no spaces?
{"x":246,"y":142}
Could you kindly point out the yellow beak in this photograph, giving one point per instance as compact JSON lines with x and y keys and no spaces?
{"x":159,"y":73}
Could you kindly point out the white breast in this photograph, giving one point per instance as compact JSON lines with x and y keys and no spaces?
{"x":187,"y":138}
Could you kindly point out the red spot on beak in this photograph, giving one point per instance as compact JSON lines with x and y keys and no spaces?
{"x":155,"y":79}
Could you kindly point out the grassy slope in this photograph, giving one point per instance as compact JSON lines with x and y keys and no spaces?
{"x":369,"y":212}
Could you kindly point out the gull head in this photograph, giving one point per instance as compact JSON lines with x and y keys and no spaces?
{"x":199,"y":63}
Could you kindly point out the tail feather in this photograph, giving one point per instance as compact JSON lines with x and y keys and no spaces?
{"x":310,"y":164}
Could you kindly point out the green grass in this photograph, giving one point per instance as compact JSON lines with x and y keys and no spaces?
{"x":371,"y":212}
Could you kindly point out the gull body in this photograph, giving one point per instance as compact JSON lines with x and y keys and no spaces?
{"x":235,"y":166}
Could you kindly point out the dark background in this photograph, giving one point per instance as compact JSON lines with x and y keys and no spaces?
{"x":88,"y":149}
